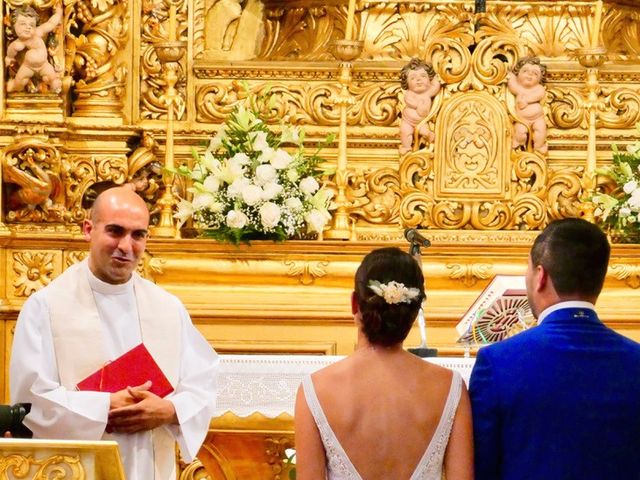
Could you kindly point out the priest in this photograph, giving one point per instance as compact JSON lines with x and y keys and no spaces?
{"x":91,"y":315}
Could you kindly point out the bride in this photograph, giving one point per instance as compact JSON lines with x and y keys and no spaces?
{"x":383,"y":413}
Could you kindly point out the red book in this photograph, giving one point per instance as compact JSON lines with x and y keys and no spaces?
{"x":129,"y":370}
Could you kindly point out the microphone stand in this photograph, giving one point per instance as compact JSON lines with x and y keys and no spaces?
{"x":422,"y":351}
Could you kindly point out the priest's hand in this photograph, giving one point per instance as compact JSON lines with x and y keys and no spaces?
{"x":123,"y":397}
{"x":149,"y":412}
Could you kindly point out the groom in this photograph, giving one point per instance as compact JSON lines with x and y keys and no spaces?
{"x":560,"y":401}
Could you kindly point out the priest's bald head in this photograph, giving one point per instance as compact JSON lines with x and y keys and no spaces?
{"x":117,"y":232}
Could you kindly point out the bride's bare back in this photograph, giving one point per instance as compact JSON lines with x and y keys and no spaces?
{"x":384,"y":406}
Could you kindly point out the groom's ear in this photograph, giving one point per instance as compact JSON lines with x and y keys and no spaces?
{"x":541,"y":279}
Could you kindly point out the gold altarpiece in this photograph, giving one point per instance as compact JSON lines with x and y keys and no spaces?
{"x":142,"y":79}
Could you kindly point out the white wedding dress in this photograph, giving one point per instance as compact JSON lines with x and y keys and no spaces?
{"x":339,"y":467}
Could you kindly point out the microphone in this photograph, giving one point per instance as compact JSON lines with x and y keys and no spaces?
{"x":413,"y":236}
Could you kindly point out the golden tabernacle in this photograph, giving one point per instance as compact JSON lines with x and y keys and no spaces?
{"x":134,"y":91}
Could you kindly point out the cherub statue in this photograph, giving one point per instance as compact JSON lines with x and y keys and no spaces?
{"x":31,"y":41}
{"x":526,"y":83}
{"x":418,"y":80}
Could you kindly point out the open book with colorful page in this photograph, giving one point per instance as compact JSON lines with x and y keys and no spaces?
{"x":499,"y":312}
{"x":129,"y":370}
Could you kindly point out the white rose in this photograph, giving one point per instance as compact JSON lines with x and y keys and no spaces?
{"x":271,"y":191}
{"x":294,"y":204}
{"x":211,"y":184}
{"x":236,"y":219}
{"x":281,"y":159}
{"x":235,"y":189}
{"x":624,"y":212}
{"x":629,"y":187}
{"x":316,"y":220}
{"x":251,"y":194}
{"x":265,"y":174}
{"x":309,"y":185}
{"x":269,"y":215}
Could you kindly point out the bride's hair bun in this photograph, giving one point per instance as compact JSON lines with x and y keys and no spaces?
{"x":389,"y":288}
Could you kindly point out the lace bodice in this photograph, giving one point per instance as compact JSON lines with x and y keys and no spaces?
{"x":339,"y":466}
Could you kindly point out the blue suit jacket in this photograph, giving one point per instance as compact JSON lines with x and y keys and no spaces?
{"x":558,"y":402}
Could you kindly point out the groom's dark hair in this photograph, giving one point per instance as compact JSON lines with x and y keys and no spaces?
{"x":575,"y":253}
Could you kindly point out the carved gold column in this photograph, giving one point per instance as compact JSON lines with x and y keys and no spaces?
{"x":96,"y":40}
{"x":169,"y":53}
{"x":592,"y":59}
{"x":346,"y":51}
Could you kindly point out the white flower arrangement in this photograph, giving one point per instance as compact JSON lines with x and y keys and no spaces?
{"x":618,"y":212}
{"x":394,"y":292}
{"x":246,"y":186}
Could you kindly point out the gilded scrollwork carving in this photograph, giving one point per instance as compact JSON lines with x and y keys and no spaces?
{"x":564,"y":192}
{"x":96,"y":34}
{"x":112,"y":168}
{"x":621,"y":32}
{"x":470,"y":273}
{"x":33,"y":270}
{"x":622,"y":108}
{"x":307,"y":272}
{"x":629,"y":274}
{"x":374,"y":195}
{"x":55,"y":466}
{"x":194,"y":471}
{"x":566,"y":107}
{"x":81,"y":174}
{"x":304,"y":103}
{"x":31,"y":166}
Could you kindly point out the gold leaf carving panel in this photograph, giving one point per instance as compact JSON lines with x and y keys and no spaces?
{"x":304,"y":103}
{"x":472,"y":148}
{"x":33,"y":270}
{"x":56,"y":466}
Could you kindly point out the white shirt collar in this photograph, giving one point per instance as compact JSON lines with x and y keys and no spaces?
{"x":105,"y":288}
{"x":561,"y":305}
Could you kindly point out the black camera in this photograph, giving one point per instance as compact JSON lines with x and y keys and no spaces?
{"x":11,"y":417}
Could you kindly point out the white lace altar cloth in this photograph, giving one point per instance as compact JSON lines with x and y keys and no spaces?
{"x":268,"y":383}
